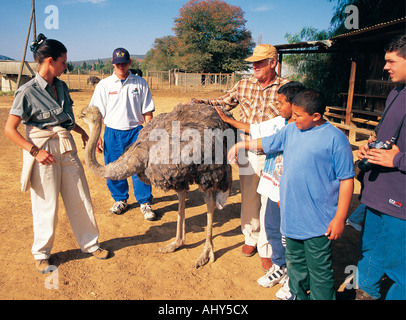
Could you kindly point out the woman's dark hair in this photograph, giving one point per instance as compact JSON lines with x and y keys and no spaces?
{"x":43,"y":48}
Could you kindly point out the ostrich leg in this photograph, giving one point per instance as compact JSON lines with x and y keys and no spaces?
{"x":208,"y":253}
{"x":180,"y":228}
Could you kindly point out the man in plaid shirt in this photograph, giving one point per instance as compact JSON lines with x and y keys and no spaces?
{"x":257,"y":98}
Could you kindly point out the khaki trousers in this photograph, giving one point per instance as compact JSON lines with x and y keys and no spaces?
{"x":65,"y":177}
{"x":253,"y":205}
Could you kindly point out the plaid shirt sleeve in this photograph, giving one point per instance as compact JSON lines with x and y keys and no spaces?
{"x":257,"y":104}
{"x":228,"y":100}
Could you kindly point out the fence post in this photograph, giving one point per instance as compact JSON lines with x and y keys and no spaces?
{"x":149,"y":80}
{"x":79,"y":78}
{"x":67,"y":73}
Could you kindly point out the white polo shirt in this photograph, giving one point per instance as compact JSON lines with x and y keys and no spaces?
{"x":123,"y":104}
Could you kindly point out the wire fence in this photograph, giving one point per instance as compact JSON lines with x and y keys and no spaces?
{"x":77,"y":81}
{"x":186,"y":81}
{"x":173,"y":79}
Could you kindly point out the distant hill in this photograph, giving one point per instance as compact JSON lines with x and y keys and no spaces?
{"x":5,"y":58}
{"x":104,"y":60}
{"x":90,"y":61}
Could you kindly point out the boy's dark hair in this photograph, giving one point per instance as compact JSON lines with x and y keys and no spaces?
{"x":398,"y":45}
{"x":291,"y":89}
{"x":311,"y":100}
{"x":43,"y":48}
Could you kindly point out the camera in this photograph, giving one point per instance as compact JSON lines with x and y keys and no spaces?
{"x":364,"y":164}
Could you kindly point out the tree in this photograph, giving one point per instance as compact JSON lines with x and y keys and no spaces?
{"x":135,"y":64}
{"x":212,"y":36}
{"x":99,"y":65}
{"x":321,"y":70}
{"x":163,"y":56}
{"x":318,"y":70}
{"x":70,"y":66}
{"x":371,"y":12}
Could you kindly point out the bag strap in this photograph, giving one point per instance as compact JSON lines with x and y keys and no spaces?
{"x":396,"y":135}
{"x":386,"y":110}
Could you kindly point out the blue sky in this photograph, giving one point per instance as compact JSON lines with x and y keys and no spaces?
{"x":92,"y":29}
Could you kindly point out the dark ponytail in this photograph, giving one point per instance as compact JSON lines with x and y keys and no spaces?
{"x":43,"y":48}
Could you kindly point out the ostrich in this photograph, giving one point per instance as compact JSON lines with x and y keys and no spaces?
{"x":173,"y":151}
{"x":136,"y":72}
{"x":93,"y":80}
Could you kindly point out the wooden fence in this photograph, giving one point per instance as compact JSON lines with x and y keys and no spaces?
{"x":175,"y":80}
{"x":186,"y":81}
{"x":77,"y":81}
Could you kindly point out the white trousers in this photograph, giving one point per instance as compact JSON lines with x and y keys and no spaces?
{"x":253,"y":205}
{"x":65,"y":177}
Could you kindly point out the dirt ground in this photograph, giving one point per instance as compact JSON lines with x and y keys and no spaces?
{"x":136,"y":270}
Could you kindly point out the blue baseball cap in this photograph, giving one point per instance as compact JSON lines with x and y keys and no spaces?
{"x":120,"y":55}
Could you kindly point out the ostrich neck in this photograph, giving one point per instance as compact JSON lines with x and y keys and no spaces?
{"x":116,"y":170}
{"x":90,"y":150}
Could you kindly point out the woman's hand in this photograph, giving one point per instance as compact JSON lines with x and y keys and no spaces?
{"x":44,"y":157}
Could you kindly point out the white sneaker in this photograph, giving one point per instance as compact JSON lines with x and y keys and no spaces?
{"x":147,"y":211}
{"x":272,"y":277}
{"x":284,"y":292}
{"x":119,"y":207}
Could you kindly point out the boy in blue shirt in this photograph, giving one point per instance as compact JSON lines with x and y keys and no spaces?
{"x":269,"y":183}
{"x":315,"y":192}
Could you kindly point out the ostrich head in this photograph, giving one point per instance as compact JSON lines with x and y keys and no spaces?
{"x":91,"y":115}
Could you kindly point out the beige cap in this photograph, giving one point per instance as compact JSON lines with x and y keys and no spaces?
{"x":262,"y":52}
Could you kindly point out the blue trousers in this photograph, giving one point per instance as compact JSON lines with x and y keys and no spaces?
{"x":115,"y":143}
{"x":383,"y":252}
{"x":273,"y":232}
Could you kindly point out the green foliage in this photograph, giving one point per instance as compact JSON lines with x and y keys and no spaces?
{"x":70,"y":66}
{"x":210,"y":36}
{"x":108,"y":68}
{"x":330,"y":72}
{"x":319,"y":70}
{"x":6,"y":93}
{"x":163,"y":56}
{"x":371,"y":12}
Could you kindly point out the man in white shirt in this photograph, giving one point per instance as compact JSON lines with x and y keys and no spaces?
{"x":125,"y":102}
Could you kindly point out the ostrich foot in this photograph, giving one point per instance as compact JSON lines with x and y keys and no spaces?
{"x":171,"y":247}
{"x":206,"y":256}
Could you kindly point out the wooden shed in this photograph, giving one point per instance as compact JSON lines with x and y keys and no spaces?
{"x":368,"y":85}
{"x":9,"y":71}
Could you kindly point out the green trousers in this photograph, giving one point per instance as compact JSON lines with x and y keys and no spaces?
{"x":309,"y":268}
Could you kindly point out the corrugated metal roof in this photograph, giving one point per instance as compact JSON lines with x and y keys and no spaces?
{"x":305,"y":44}
{"x":372,"y":28}
{"x":12,"y":67}
{"x":383,"y":30}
